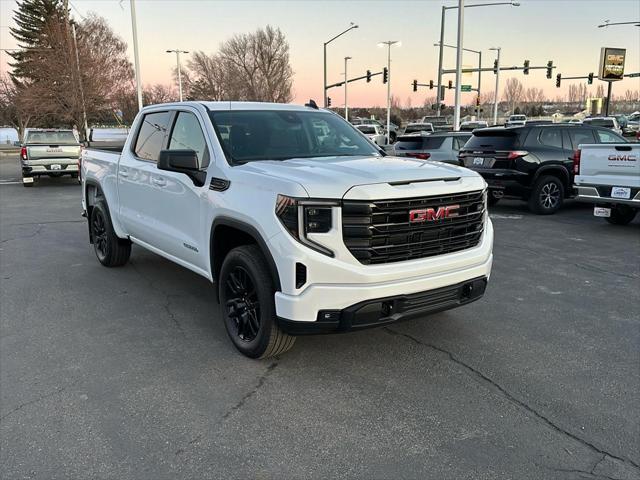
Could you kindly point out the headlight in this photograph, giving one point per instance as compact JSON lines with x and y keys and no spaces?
{"x":306,"y":216}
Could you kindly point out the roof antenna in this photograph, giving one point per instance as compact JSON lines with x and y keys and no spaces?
{"x":311,"y":104}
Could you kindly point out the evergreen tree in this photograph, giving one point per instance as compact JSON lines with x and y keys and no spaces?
{"x":31,"y":18}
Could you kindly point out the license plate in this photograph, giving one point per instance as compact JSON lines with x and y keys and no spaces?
{"x":478,"y":161}
{"x":56,"y":167}
{"x":621,"y":192}
{"x":27,"y":180}
{"x":601,"y":212}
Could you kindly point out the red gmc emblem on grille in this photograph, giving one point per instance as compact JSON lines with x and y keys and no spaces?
{"x":432,"y":214}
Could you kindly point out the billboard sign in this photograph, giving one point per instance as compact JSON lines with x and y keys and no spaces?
{"x":611,"y":64}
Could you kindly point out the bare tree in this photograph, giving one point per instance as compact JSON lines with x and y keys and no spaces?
{"x":257,"y":66}
{"x":600,"y":91}
{"x":534,"y":95}
{"x":15,"y":109}
{"x":158,"y":93}
{"x":513,"y":93}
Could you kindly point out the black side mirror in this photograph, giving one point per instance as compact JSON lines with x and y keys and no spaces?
{"x":182,"y":161}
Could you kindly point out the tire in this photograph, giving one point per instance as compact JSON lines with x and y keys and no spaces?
{"x":492,"y":199}
{"x":392,"y":137}
{"x":111,"y":250}
{"x":247,"y":304}
{"x":621,"y":215}
{"x":546,"y":196}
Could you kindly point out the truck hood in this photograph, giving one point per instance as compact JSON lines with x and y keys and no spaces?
{"x":333,"y":177}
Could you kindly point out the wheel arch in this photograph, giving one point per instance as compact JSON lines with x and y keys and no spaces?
{"x":228,"y":233}
{"x":556,"y":170}
{"x":92,"y":193}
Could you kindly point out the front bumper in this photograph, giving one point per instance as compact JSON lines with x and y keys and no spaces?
{"x":383,"y":311}
{"x":363,"y":283}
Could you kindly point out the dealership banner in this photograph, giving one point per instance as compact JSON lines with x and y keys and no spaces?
{"x":611,"y":66}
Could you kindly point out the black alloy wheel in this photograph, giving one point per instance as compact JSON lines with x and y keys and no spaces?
{"x":243,"y":306}
{"x":99,"y":233}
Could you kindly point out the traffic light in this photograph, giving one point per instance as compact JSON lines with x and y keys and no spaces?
{"x":558,"y":80}
{"x":450,"y":85}
{"x":328,"y":101}
{"x":590,"y":78}
{"x":495,"y":67}
{"x":385,"y":75}
{"x":430,"y":84}
{"x":368,"y":76}
{"x":525,"y":70}
{"x":415,"y":85}
{"x":549,"y":68}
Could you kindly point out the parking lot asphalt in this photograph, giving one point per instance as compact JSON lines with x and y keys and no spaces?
{"x":127,"y":373}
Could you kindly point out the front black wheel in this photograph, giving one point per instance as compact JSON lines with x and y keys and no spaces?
{"x":547,"y":195}
{"x":248,"y":308}
{"x":621,"y":215}
{"x":493,"y":198}
{"x":111,"y":250}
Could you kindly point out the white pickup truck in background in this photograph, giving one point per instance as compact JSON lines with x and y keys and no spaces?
{"x":608,"y":175}
{"x":304,"y":225}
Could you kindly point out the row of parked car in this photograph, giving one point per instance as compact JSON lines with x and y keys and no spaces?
{"x":533,"y":161}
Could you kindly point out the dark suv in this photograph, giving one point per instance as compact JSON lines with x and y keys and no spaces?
{"x":533,"y":162}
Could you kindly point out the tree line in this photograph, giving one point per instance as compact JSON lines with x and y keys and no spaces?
{"x":64,"y":69}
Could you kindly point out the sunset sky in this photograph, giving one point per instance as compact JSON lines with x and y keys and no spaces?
{"x":564,"y":31}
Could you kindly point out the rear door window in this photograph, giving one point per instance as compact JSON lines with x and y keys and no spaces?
{"x":551,"y":137}
{"x":151,"y":135}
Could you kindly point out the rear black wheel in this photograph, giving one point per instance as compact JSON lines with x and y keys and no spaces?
{"x":547,"y":195}
{"x":621,"y":215}
{"x":248,"y":307}
{"x":111,"y":250}
{"x":492,"y":198}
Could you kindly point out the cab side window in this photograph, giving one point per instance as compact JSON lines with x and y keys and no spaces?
{"x":151,"y":135}
{"x":187,"y":135}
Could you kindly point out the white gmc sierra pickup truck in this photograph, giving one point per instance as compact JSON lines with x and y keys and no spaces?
{"x":608,"y":175}
{"x":303,"y":224}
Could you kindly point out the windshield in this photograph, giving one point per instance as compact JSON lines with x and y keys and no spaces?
{"x":51,"y":138}
{"x":282,"y":135}
{"x":518,"y":118}
{"x":418,"y":142}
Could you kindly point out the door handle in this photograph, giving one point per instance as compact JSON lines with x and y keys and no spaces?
{"x":123,"y":172}
{"x":160,"y":182}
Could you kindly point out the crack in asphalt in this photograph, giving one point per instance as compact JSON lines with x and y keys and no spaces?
{"x":45,"y":223}
{"x":23,"y":237}
{"x":168,"y":297}
{"x":44,"y":396}
{"x":515,"y":400}
{"x":595,"y":269}
{"x":252,"y":392}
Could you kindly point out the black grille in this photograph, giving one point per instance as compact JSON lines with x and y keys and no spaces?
{"x":380,"y":231}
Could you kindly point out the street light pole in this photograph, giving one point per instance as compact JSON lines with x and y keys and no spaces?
{"x":479,"y":79}
{"x":324,"y":89}
{"x":346,"y":108}
{"x":495,"y":98}
{"x":440,"y":55}
{"x":84,"y":108}
{"x":444,"y":9}
{"x":178,"y":52}
{"x":136,"y":56}
{"x":459,"y":46}
{"x":388,"y":43}
{"x":479,"y":62}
